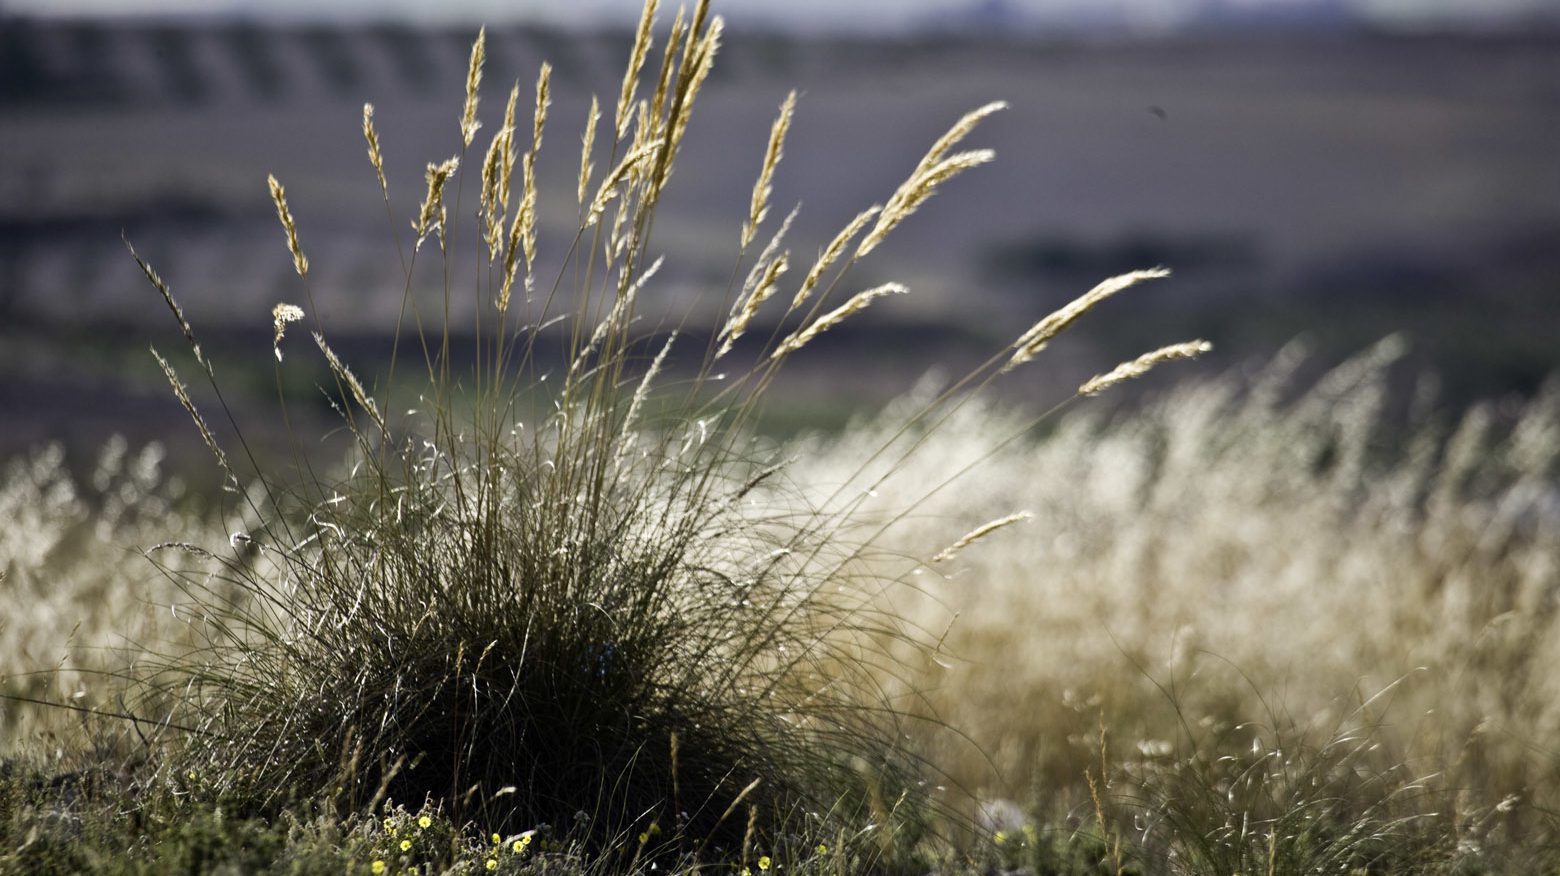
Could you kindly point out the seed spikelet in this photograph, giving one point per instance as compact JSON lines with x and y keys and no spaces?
{"x":1030,"y":343}
{"x":372,"y":136}
{"x":834,"y":317}
{"x":1142,"y":365}
{"x":979,"y":533}
{"x":350,"y":379}
{"x":764,"y":187}
{"x":636,"y":63}
{"x":279,"y":195}
{"x":468,"y":116}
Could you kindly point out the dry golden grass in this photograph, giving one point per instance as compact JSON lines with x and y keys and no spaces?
{"x":1225,"y":562}
{"x":1142,"y":365}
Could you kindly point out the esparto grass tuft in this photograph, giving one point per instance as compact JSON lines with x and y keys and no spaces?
{"x":597,"y":595}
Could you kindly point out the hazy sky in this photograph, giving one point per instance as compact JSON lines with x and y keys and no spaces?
{"x":801,"y":14}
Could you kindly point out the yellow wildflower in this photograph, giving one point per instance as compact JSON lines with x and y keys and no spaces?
{"x":406,"y":845}
{"x":425,"y":822}
{"x":377,"y":867}
{"x":764,"y":862}
{"x":492,"y":864}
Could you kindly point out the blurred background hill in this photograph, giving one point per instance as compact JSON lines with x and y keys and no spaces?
{"x":1337,"y":170}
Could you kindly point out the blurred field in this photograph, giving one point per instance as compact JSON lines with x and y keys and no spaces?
{"x":1343,"y":187}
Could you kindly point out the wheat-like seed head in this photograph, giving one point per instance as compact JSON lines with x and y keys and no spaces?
{"x":511,"y":258}
{"x":646,"y":131}
{"x":917,"y":190}
{"x":543,"y":101}
{"x":829,"y":320}
{"x":587,"y":143}
{"x":979,"y":533}
{"x":173,"y":305}
{"x":522,"y":234}
{"x":1142,"y":365}
{"x":764,"y":186}
{"x":372,"y":136}
{"x":762,"y":267}
{"x":832,"y":252}
{"x":281,"y":315}
{"x":527,"y":214}
{"x":609,"y":186}
{"x":350,"y":379}
{"x":200,"y":422}
{"x":682,"y":94}
{"x":636,"y":63}
{"x":279,"y":195}
{"x":492,"y":201}
{"x":468,"y":116}
{"x":507,"y":165}
{"x":1030,"y":343}
{"x":704,"y":62}
{"x":959,"y":131}
{"x":429,"y":217}
{"x":934,"y":169}
{"x":663,"y":82}
{"x":737,"y":325}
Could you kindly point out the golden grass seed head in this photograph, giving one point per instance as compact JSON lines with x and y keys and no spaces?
{"x":934,"y":169}
{"x":279,"y":196}
{"x":173,"y":305}
{"x":832,"y":252}
{"x":697,"y":58}
{"x":829,"y":320}
{"x":1142,"y":365}
{"x":281,"y":315}
{"x":468,"y":116}
{"x":765,"y":287}
{"x":522,"y":234}
{"x":374,"y":156}
{"x":959,"y":131}
{"x":764,"y":187}
{"x":1031,"y":342}
{"x":543,"y":101}
{"x":527,"y":214}
{"x":507,"y":165}
{"x":636,"y":63}
{"x":188,"y":404}
{"x":979,"y":533}
{"x":346,"y":376}
{"x":917,"y":190}
{"x":609,"y":186}
{"x":663,"y":82}
{"x":492,"y":200}
{"x":430,"y":216}
{"x":588,"y":143}
{"x":511,"y":258}
{"x":631,"y":75}
{"x":705,"y":62}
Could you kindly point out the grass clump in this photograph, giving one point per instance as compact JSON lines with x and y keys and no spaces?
{"x":564,"y":584}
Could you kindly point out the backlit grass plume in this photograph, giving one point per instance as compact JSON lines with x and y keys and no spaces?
{"x":592,"y":594}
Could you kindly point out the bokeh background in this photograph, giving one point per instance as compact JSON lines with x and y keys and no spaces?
{"x":1335,"y":170}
